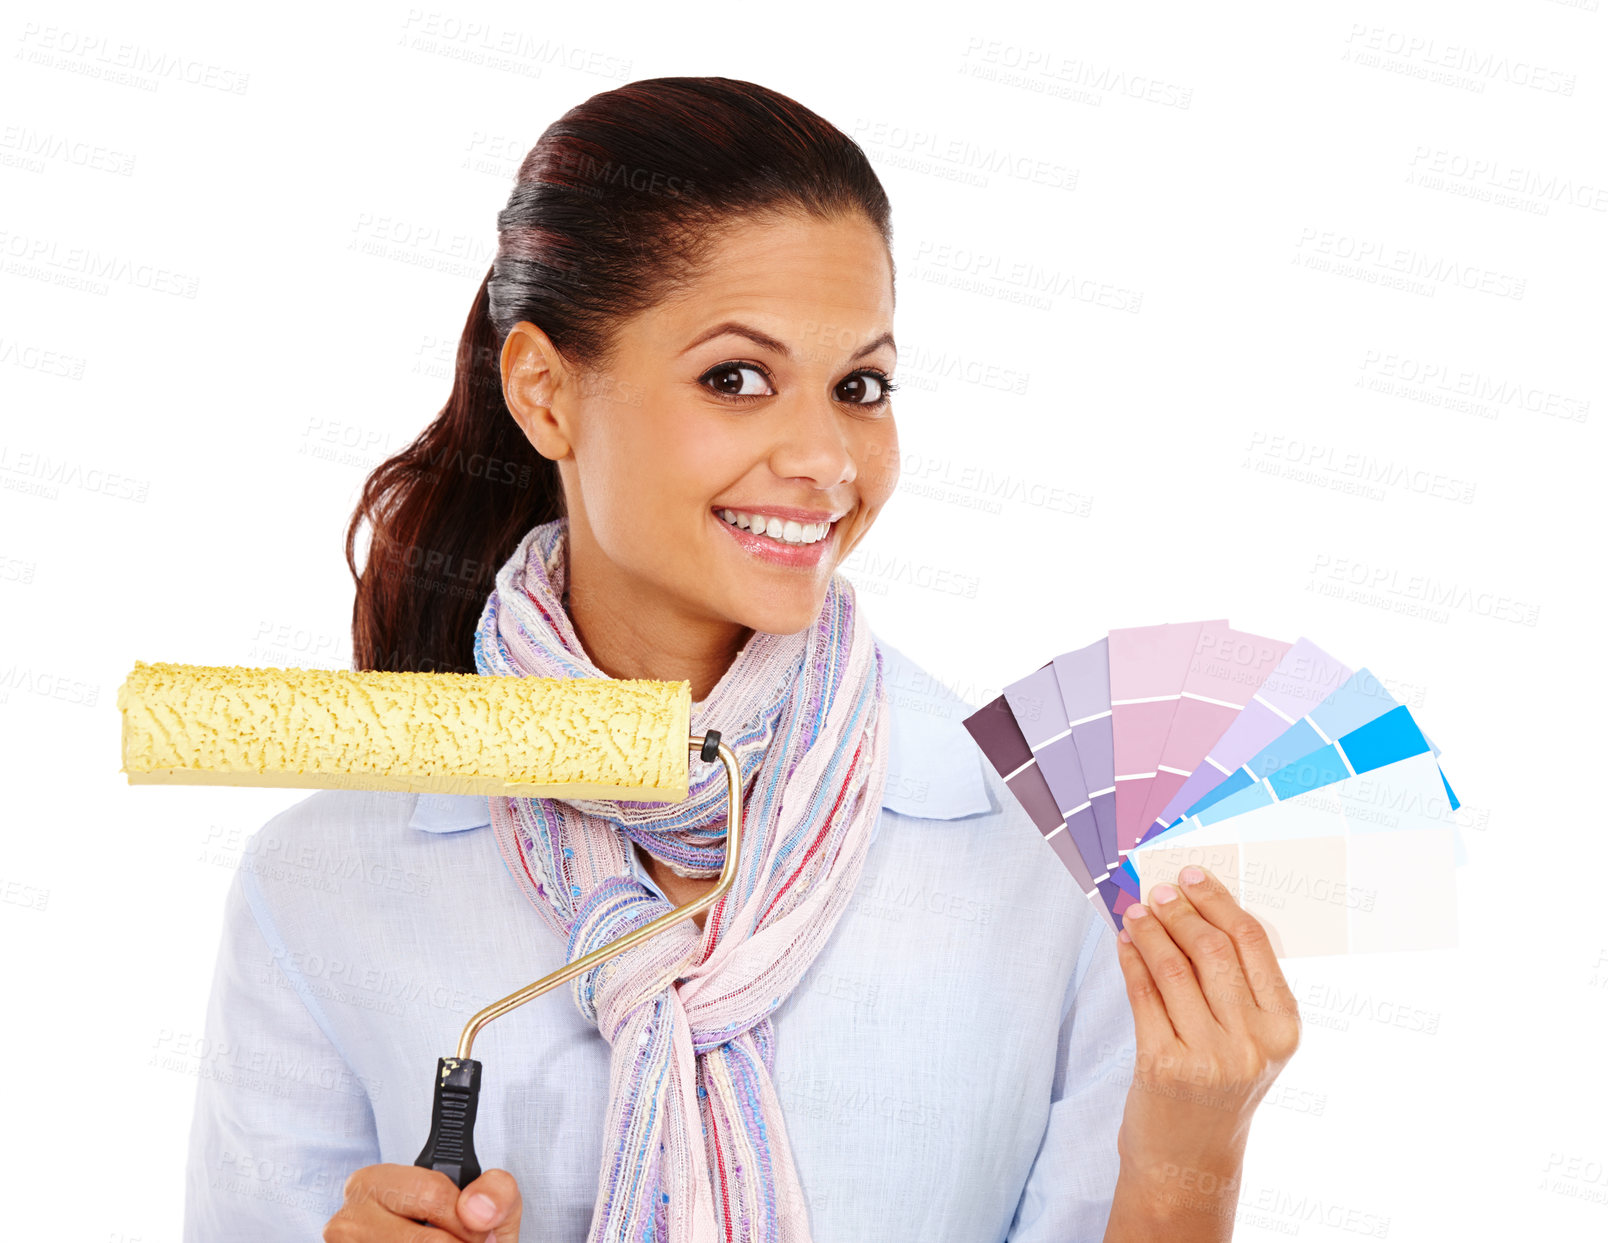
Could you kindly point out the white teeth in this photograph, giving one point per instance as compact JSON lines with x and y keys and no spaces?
{"x":788,"y":532}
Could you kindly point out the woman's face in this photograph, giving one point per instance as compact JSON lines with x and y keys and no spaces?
{"x":754,"y":393}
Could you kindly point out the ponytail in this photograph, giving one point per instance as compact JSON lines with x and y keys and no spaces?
{"x":446,"y":512}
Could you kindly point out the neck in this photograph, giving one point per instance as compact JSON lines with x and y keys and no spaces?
{"x":679,"y":889}
{"x":630,"y":632}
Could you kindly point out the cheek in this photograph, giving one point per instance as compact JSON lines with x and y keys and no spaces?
{"x":878,"y":461}
{"x":645,"y":465}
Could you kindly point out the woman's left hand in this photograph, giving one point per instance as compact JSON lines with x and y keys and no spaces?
{"x":1214,"y":1023}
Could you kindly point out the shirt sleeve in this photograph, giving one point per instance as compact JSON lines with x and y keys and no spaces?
{"x":1069,"y":1190}
{"x":280,"y":1119}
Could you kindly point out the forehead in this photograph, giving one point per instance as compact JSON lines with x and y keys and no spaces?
{"x":821,"y":285}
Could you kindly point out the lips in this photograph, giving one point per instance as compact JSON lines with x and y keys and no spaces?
{"x":776,"y":526}
{"x":774,"y":551}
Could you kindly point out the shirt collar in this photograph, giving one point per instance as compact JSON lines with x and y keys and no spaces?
{"x":934,"y":768}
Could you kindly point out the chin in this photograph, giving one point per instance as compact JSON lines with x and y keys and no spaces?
{"x":782,"y":616}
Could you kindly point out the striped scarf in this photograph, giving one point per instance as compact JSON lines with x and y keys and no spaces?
{"x":695,"y":1147}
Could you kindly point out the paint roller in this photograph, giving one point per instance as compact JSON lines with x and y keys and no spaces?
{"x":443,"y":733}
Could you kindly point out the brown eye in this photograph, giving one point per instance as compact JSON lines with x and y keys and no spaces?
{"x":865,"y":388}
{"x":728,"y":380}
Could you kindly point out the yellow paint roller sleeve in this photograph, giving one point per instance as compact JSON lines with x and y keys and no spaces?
{"x":444,"y":733}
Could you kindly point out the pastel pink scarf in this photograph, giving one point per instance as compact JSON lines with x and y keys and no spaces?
{"x":696,"y":1148}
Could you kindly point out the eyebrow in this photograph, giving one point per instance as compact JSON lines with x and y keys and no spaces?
{"x":766,"y":341}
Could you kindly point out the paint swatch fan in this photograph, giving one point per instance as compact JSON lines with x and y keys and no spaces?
{"x":1299,"y":782}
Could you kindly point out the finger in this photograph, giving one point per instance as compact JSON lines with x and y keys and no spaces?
{"x":1261,"y":966}
{"x":1151,"y":1026}
{"x":1211,"y":951}
{"x":371,"y":1220}
{"x":492,"y":1202}
{"x":1170,"y":968}
{"x":414,"y":1194}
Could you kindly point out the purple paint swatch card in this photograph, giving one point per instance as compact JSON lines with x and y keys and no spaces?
{"x":1304,"y":678}
{"x":1002,"y":743}
{"x":1148,"y":667}
{"x":1226,"y":669}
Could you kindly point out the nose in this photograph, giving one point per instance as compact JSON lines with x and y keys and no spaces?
{"x":816,"y":444}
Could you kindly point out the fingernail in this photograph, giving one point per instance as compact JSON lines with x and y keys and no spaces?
{"x":1134,"y":912}
{"x":1163,"y":893}
{"x":1122,"y":935}
{"x":482,"y":1209}
{"x":1192,"y":875}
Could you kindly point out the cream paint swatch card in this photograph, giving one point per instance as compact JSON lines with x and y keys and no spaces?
{"x":1360,"y":865}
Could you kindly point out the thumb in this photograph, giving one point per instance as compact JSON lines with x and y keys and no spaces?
{"x":492,"y":1202}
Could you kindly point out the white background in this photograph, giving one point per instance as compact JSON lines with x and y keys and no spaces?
{"x":1183,"y":424}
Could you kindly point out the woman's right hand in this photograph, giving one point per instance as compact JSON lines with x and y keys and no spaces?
{"x":386,"y":1203}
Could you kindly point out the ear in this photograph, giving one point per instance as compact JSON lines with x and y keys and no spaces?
{"x":533,"y":377}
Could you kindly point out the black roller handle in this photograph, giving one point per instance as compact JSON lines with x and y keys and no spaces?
{"x":451,"y":1146}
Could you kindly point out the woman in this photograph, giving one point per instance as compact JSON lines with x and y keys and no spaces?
{"x":670,"y":424}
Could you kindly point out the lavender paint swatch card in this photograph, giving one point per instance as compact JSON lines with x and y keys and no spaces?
{"x":1035,"y":701}
{"x":1084,"y":679}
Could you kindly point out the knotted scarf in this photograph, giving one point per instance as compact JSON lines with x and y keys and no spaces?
{"x":695,"y":1148}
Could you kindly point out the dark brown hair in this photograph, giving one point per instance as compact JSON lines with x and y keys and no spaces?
{"x":616,"y":206}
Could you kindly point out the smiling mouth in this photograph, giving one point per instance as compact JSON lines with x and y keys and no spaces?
{"x":785,"y":533}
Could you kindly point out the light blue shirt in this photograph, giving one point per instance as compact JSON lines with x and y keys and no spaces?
{"x":952,"y":1068}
